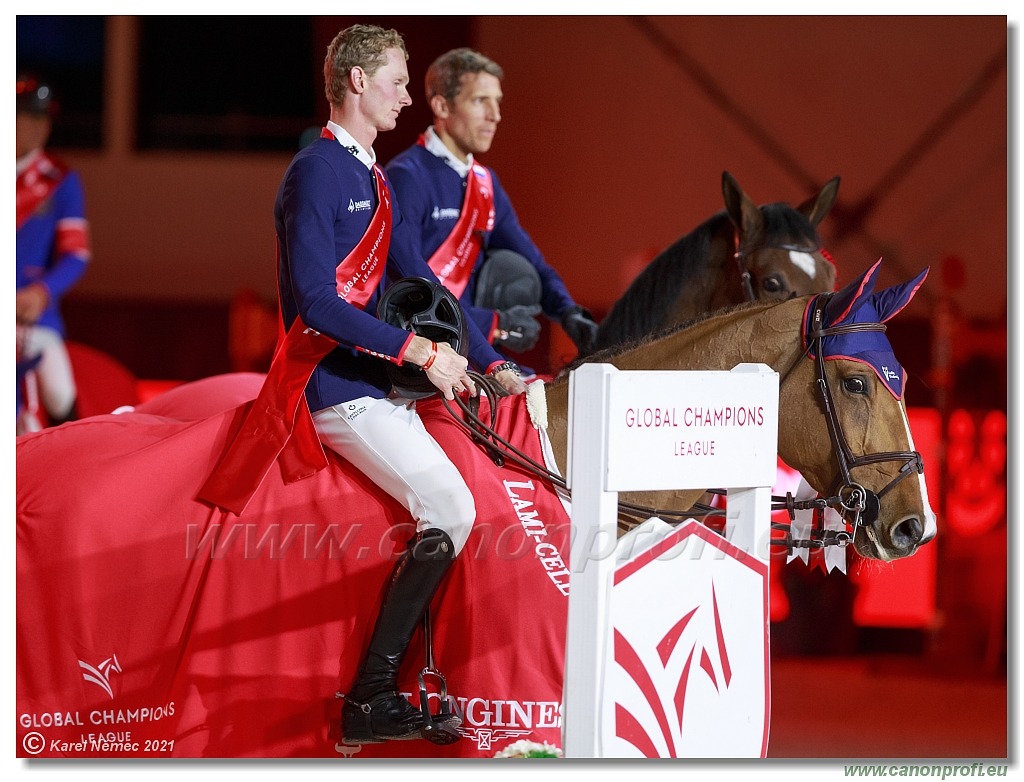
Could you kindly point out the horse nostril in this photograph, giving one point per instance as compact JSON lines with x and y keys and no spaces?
{"x":908,"y":533}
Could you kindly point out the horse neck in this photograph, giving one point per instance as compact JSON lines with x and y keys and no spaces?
{"x":691,"y":277}
{"x":711,"y":282}
{"x":764,"y":334}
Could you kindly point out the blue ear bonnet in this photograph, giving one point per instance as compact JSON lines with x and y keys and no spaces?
{"x":857,"y":303}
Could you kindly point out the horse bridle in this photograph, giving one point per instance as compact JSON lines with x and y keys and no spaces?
{"x":741,"y":254}
{"x":857,"y":505}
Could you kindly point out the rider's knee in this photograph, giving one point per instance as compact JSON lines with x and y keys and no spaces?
{"x":453,"y":509}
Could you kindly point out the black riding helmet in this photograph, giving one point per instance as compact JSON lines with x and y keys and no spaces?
{"x":429,"y":310}
{"x":506,"y":279}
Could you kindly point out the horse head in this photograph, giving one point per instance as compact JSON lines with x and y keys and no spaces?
{"x":777,"y":248}
{"x":865,"y":456}
{"x":842,"y":419}
{"x":743,"y":253}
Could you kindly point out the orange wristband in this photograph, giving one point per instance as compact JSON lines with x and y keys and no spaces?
{"x":433,"y":355}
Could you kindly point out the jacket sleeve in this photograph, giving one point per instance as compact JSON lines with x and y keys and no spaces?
{"x":72,"y":248}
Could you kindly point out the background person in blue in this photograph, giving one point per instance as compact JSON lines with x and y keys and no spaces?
{"x":53,"y":249}
{"x":433,"y":179}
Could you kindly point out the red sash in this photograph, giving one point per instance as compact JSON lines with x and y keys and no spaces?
{"x":36,"y":184}
{"x":453,"y":261}
{"x":278,"y":425}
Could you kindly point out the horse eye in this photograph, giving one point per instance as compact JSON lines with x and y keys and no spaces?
{"x":855,"y":385}
{"x":771,"y":284}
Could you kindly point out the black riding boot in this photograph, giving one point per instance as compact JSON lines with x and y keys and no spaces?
{"x":374,"y":710}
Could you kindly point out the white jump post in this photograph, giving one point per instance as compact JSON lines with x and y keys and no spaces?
{"x":667,"y":642}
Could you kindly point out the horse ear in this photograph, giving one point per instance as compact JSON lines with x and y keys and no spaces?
{"x":850,"y":298}
{"x":892,"y":300}
{"x":816,"y":207}
{"x":742,"y":211}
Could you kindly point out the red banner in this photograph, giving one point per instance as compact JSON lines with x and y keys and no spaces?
{"x":150,"y":625}
{"x":36,"y":183}
{"x":454,"y":260}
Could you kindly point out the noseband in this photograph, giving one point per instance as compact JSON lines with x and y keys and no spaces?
{"x":858,"y":506}
{"x":742,"y":253}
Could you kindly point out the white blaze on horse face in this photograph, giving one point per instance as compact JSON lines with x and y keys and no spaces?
{"x":929,"y":520}
{"x":805,"y":262}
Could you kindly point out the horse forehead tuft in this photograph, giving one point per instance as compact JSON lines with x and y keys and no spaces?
{"x":783,"y":222}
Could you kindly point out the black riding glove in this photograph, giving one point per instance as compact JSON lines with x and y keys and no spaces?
{"x":579,"y":324}
{"x":518,"y":327}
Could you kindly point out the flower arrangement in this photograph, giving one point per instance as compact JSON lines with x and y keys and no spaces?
{"x":529,"y":749}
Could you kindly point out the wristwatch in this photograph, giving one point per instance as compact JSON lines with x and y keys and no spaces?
{"x":506,"y":365}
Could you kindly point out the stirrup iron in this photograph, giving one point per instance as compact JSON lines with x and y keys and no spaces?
{"x":443,"y":727}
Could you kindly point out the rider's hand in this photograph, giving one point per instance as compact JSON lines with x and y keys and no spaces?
{"x":579,"y":324}
{"x":518,"y":327}
{"x":510,"y":381}
{"x":447,"y":370}
{"x":30,"y":302}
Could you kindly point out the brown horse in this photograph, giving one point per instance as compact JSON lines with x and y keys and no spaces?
{"x":862,"y":411}
{"x":744,"y":253}
{"x":234,"y":632}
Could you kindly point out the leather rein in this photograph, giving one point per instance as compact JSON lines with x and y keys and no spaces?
{"x":858,"y":506}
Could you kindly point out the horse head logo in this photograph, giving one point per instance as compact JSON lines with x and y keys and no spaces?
{"x":711,"y":659}
{"x":100,"y":674}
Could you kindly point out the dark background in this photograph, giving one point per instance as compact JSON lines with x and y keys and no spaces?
{"x":614,"y":136}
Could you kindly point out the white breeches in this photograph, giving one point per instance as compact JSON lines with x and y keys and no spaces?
{"x":385,"y":439}
{"x":52,"y":378}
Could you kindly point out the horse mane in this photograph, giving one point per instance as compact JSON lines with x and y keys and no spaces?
{"x":647,"y":300}
{"x":644,"y":305}
{"x":608,"y":354}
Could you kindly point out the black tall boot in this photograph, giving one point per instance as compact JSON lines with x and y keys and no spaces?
{"x":374,"y":710}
